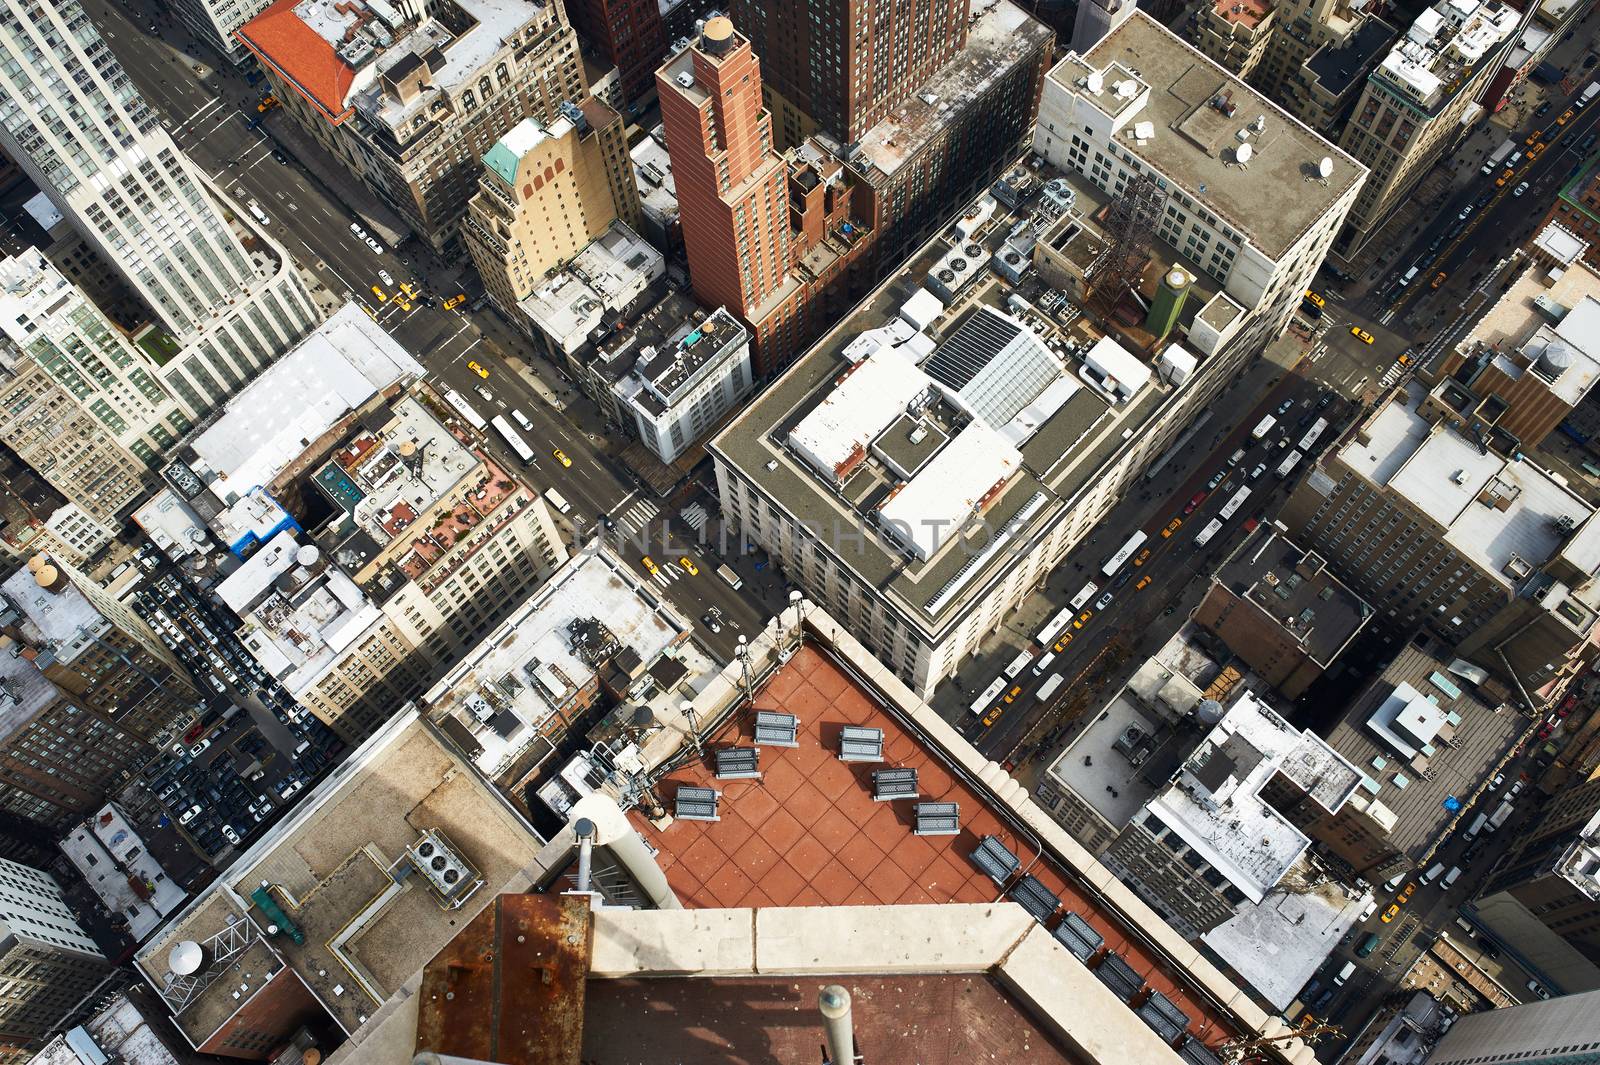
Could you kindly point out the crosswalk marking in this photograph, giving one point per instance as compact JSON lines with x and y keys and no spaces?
{"x":638,"y":515}
{"x":694,"y":515}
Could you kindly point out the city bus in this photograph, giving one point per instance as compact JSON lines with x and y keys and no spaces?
{"x":1287,"y":466}
{"x":1313,"y":434}
{"x":1231,"y":507}
{"x":463,"y":408}
{"x":988,"y":695}
{"x":1213,"y":527}
{"x":1048,"y":688}
{"x":512,"y":439}
{"x":1047,"y":635}
{"x":1124,"y":553}
{"x":1263,"y":427}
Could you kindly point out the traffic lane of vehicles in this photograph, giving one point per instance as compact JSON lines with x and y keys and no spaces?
{"x":1158,"y":538}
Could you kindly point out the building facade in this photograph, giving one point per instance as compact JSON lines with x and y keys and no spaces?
{"x":1536,"y":1033}
{"x":410,"y":101}
{"x":1410,"y":511}
{"x":679,"y":393}
{"x":219,"y":316}
{"x":841,"y":66}
{"x":1542,"y":902}
{"x":630,"y":34}
{"x":48,"y":965}
{"x":544,"y":195}
{"x":216,"y":21}
{"x":1412,"y":107}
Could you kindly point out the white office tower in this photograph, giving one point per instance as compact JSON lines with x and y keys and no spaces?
{"x":78,"y":402}
{"x":47,"y":962}
{"x":1096,"y":18}
{"x":74,"y":122}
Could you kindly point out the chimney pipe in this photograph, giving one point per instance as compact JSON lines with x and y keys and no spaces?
{"x":585,"y":833}
{"x":834,"y":1002}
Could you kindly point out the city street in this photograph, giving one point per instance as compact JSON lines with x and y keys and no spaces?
{"x":211,"y":113}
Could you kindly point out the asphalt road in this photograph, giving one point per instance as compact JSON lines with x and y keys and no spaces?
{"x":211,"y":113}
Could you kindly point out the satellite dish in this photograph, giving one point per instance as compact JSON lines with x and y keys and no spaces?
{"x":1325,"y":168}
{"x":307,"y":555}
{"x":1243,"y":153}
{"x":1096,"y":83}
{"x":186,"y":958}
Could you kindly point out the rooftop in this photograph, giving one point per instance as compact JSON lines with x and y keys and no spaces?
{"x":866,"y":429}
{"x":665,"y":373}
{"x":1338,"y":65}
{"x":1506,"y":516}
{"x":1446,"y":743}
{"x":60,"y":618}
{"x":809,"y":833}
{"x":592,"y":615}
{"x":1292,"y":587}
{"x":1442,"y":47}
{"x":347,"y":54}
{"x":117,"y":1033}
{"x":1246,"y":13}
{"x":340,"y":871}
{"x":999,"y":36}
{"x":1547,"y":326}
{"x":1141,"y":73}
{"x":1536,"y":1029}
{"x":120,"y":869}
{"x":658,"y":191}
{"x":344,"y":363}
{"x":1214,"y":803}
{"x":589,"y":294}
{"x":1278,"y":944}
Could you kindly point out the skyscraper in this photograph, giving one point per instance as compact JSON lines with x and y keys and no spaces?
{"x":769,"y":237}
{"x":841,"y":65}
{"x":47,"y":963}
{"x":74,"y":122}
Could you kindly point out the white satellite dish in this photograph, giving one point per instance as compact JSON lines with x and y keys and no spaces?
{"x":1325,"y":168}
{"x":1243,"y":153}
{"x":307,"y":555}
{"x":1096,"y":82}
{"x":186,"y":957}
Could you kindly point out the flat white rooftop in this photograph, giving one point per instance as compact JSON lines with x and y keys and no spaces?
{"x":1492,"y":509}
{"x":344,"y":363}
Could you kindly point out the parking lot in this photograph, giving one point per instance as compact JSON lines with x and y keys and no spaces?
{"x":246,"y":756}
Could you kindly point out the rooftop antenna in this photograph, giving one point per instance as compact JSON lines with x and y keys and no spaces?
{"x":1133,"y":216}
{"x":742,"y":651}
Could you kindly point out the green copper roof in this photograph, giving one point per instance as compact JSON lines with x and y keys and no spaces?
{"x":509,"y":150}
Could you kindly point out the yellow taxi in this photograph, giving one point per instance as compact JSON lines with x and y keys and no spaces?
{"x":1438,"y":279}
{"x":268,"y":102}
{"x":1361,"y":334}
{"x":1314,"y":299}
{"x":1011,"y":696}
{"x":1537,"y":150}
{"x":411,"y":293}
{"x":455,"y":301}
{"x":479,"y":370}
{"x":402,"y":303}
{"x":1061,"y":644}
{"x":689,"y":567}
{"x":1172,"y":527}
{"x":561,"y":457}
{"x":1139,"y":559}
{"x":1533,"y":138}
{"x":1142,"y":583}
{"x":1082,"y":618}
{"x":383,"y":297}
{"x":1388,"y":915}
{"x":1406,"y":892}
{"x":1566,"y":116}
{"x":649,"y":565}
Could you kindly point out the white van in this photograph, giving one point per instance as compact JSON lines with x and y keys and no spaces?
{"x":1477,"y":826}
{"x":1433,"y":873}
{"x":557,"y":500}
{"x":305,"y":745}
{"x":1043,"y":663}
{"x":1392,"y":885}
{"x":1344,"y":973}
{"x":1022,"y":659}
{"x":1085,"y":594}
{"x":1451,"y":877}
{"x":522,"y":420}
{"x":257,"y":213}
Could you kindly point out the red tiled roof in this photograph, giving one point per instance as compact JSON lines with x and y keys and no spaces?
{"x":808,"y":833}
{"x":309,"y":63}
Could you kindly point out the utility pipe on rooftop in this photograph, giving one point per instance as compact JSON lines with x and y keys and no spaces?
{"x":838,"y":1026}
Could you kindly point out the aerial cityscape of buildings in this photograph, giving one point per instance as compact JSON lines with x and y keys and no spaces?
{"x":941,"y":530}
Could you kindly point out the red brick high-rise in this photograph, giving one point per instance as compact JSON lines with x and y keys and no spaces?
{"x":768,"y":238}
{"x":843,"y":65}
{"x":629,"y":33}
